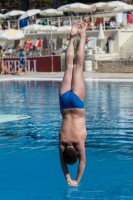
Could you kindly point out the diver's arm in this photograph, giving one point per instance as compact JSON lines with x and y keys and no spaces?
{"x":64,"y":166}
{"x":82,"y":160}
{"x":81,"y":152}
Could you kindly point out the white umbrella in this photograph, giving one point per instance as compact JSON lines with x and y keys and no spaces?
{"x":11,"y":34}
{"x":32,"y":27}
{"x":63,"y":29}
{"x":29,"y":13}
{"x":123,"y":8}
{"x":14,"y":13}
{"x":101,"y":35}
{"x":98,"y":6}
{"x":112,"y":4}
{"x":48,"y":28}
{"x":79,"y":7}
{"x":64,"y":8}
{"x":50,"y":12}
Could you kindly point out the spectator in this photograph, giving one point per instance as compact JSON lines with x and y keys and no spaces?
{"x":5,"y":68}
{"x":4,"y":25}
{"x":129,"y":18}
{"x":90,"y":24}
{"x":1,"y":61}
{"x":29,"y":44}
{"x":51,"y":46}
{"x":98,"y":21}
{"x":23,"y":60}
{"x":84,"y":18}
{"x":112,"y":22}
{"x":38,"y":43}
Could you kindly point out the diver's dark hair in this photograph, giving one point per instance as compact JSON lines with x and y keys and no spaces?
{"x":70,"y":155}
{"x":0,"y":47}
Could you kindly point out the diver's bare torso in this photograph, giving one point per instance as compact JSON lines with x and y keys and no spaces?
{"x":73,"y":129}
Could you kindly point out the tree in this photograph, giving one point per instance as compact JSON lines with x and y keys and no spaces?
{"x":47,"y":3}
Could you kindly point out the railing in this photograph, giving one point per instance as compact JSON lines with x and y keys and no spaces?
{"x":62,"y":20}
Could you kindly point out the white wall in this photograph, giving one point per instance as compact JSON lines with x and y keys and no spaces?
{"x":124,"y":35}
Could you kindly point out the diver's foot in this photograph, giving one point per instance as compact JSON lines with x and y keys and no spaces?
{"x":74,"y":30}
{"x":82,"y":30}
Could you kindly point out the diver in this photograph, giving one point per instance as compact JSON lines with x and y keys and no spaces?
{"x":72,"y":134}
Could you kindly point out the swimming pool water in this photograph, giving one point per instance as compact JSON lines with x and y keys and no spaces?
{"x":29,"y":161}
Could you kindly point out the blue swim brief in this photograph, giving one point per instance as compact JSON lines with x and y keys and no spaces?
{"x":70,"y":100}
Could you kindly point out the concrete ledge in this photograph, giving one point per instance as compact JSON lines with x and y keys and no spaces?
{"x":89,"y":76}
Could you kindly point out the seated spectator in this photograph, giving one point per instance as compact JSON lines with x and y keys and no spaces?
{"x":29,"y":44}
{"x":98,"y":21}
{"x":5,"y":69}
{"x":48,"y":50}
{"x":25,"y":42}
{"x":129,"y":18}
{"x":51,"y":46}
{"x":39,"y":43}
{"x":84,"y":18}
{"x":34,"y":50}
{"x":90,"y":24}
{"x":112,"y":22}
{"x":4,"y":25}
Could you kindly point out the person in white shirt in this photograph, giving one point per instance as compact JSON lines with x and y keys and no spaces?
{"x":112,"y":22}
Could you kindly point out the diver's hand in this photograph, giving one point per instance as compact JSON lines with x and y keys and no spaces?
{"x":72,"y":183}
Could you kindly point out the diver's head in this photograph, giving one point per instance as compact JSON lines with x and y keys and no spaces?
{"x":70,"y":154}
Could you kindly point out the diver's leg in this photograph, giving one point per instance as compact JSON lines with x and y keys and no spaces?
{"x":78,"y":84}
{"x":67,"y":79}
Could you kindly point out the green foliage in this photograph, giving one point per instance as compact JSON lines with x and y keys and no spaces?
{"x":47,"y":2}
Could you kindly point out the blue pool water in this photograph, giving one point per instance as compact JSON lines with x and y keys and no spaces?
{"x":29,"y":161}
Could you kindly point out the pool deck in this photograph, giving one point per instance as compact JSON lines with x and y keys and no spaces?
{"x":89,"y":76}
